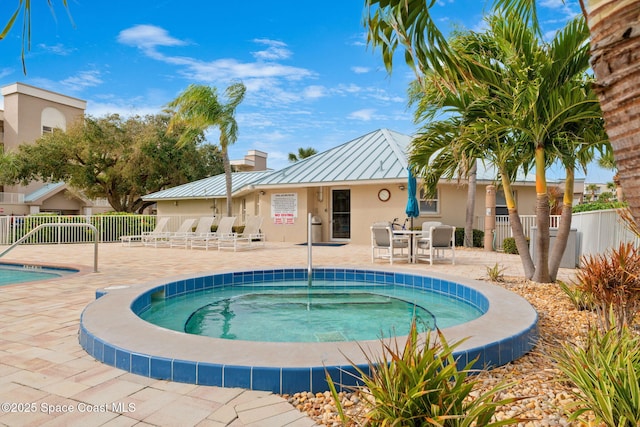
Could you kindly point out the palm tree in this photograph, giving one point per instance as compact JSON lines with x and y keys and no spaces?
{"x":303,"y":153}
{"x":198,"y":109}
{"x":25,"y":6}
{"x":615,"y":45}
{"x":527,"y":95}
{"x":607,"y":161}
{"x":592,"y":189}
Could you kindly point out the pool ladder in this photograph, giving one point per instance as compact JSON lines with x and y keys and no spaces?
{"x":59,"y":225}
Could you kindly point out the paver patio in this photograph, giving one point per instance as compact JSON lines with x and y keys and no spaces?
{"x":44,"y":369}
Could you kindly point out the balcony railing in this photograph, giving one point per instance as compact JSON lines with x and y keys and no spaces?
{"x":11,"y":198}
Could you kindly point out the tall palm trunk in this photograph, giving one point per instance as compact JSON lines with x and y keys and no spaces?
{"x":471,"y":204}
{"x":227,"y":178}
{"x":516,"y":228}
{"x":543,"y":211}
{"x":615,"y":59}
{"x":564,"y":228}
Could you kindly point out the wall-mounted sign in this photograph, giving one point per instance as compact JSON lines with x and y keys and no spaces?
{"x":284,"y":208}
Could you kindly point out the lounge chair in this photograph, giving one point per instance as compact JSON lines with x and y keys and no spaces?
{"x":386,"y":245}
{"x":441,"y":238}
{"x":202,"y":229}
{"x":163,"y":239}
{"x":251,"y":237}
{"x":225,"y":229}
{"x":160,"y":228}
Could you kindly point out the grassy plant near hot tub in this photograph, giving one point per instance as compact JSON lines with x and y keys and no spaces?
{"x":418,"y":384}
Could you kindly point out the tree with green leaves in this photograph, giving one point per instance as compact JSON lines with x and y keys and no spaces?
{"x":198,"y":109}
{"x":303,"y":153}
{"x":528,"y":98}
{"x":114,"y":158}
{"x":615,"y":47}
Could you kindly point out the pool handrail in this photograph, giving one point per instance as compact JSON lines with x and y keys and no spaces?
{"x":60,"y":224}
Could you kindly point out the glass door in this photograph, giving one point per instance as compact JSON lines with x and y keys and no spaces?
{"x":340,"y":214}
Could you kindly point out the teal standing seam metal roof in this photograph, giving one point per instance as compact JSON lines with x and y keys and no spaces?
{"x":212,"y":187}
{"x":379,"y":155}
{"x":45,"y":190}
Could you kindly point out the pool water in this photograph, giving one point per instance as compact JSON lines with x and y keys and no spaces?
{"x":325,"y":312}
{"x":14,"y":273}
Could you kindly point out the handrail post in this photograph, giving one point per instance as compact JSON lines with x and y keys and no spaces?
{"x":309,"y":247}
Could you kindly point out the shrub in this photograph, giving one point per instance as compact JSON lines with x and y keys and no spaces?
{"x":612,"y":282}
{"x":509,"y":246}
{"x":495,"y":273}
{"x":606,"y":374}
{"x":597,"y":206}
{"x":478,"y":237}
{"x":419,"y":385}
{"x":580,"y":299}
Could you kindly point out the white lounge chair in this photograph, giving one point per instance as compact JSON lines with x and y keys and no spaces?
{"x":441,"y":238}
{"x":251,"y":237}
{"x":163,"y":239}
{"x":202,"y":229}
{"x":386,"y":245}
{"x":225,"y":229}
{"x":137,"y":239}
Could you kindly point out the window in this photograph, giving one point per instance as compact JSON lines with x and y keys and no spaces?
{"x":501,"y":203}
{"x":429,"y":206}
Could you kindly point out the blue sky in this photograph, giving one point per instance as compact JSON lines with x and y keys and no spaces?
{"x":311,"y":79}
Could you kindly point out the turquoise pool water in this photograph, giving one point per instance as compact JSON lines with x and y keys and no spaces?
{"x":18,"y":273}
{"x":326,"y":312}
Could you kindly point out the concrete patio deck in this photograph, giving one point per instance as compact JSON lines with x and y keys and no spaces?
{"x":47,"y":379}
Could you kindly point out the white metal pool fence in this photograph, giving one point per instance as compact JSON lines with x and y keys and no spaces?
{"x":597,"y":231}
{"x":109,"y":227}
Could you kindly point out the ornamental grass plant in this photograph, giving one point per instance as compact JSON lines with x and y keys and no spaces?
{"x":606,"y":374}
{"x":418,"y":384}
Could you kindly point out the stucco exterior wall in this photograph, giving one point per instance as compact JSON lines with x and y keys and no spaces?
{"x":23,"y":119}
{"x":366,"y":208}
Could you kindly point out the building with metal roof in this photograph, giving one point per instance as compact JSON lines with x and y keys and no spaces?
{"x":345,"y":188}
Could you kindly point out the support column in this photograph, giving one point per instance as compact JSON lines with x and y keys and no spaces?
{"x":490,"y":217}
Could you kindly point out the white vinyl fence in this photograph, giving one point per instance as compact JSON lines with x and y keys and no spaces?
{"x":110,"y":227}
{"x":597,"y":231}
{"x":503,"y":227}
{"x":600,"y":231}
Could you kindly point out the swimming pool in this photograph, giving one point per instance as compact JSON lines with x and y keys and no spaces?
{"x":326,"y":311}
{"x":20,"y":273}
{"x":113,"y":333}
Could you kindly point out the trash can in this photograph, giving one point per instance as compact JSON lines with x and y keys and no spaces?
{"x":570,"y":256}
{"x":316,"y":229}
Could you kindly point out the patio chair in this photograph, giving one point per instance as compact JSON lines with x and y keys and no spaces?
{"x":251,"y":237}
{"x":441,"y":238}
{"x":225,"y":229}
{"x":386,"y":245}
{"x":202,"y":229}
{"x":161,"y":225}
{"x":164,"y":239}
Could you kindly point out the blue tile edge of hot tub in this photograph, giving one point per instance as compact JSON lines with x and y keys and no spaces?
{"x":283,"y":380}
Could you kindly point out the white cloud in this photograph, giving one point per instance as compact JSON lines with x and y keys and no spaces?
{"x":4,"y":72}
{"x":82,"y":80}
{"x":360,"y":70}
{"x":314,"y":92}
{"x":275,"y":50}
{"x":366,"y":114}
{"x":147,"y":37}
{"x":351,"y":88}
{"x":57,"y":49}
